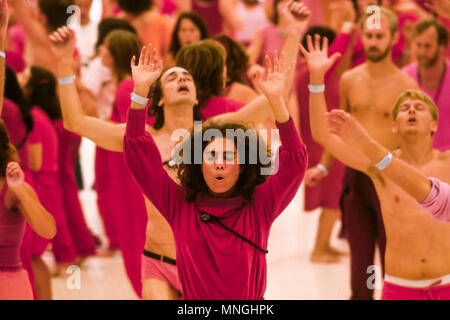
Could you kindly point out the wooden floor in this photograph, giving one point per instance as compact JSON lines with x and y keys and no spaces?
{"x":290,"y":276}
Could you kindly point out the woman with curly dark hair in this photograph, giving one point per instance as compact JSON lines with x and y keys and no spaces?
{"x":222,"y":213}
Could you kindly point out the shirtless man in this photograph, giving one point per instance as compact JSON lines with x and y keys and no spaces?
{"x":418,"y":247}
{"x":48,"y":16}
{"x":367,"y":92}
{"x":431,"y":193}
{"x":161,"y":281}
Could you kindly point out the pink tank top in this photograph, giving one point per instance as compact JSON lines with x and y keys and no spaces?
{"x":209,"y":11}
{"x":12,"y":229}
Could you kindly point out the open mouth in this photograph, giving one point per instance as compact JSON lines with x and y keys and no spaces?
{"x":219,"y":178}
{"x":183,"y":89}
{"x":412,"y":120}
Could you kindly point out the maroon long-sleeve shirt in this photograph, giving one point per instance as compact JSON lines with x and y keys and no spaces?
{"x":212,"y":262}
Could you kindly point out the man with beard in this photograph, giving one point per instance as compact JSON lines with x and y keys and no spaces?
{"x":432,"y":73}
{"x":368,"y":92}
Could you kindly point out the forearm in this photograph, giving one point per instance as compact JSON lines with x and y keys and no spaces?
{"x":71,"y":108}
{"x":279,"y":109}
{"x":326,"y":159}
{"x":39,"y":219}
{"x":317,"y":110}
{"x":407,"y":177}
{"x":290,"y":49}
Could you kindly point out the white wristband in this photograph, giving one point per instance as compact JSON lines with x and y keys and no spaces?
{"x":3,"y":54}
{"x":316,"y":89}
{"x":67,"y":80}
{"x":322,"y":168}
{"x":385,"y":162}
{"x":139,"y":99}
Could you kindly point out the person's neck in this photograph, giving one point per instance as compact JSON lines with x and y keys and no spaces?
{"x":381,"y":68}
{"x":417,"y":150}
{"x":180,"y":116}
{"x":430,"y":76}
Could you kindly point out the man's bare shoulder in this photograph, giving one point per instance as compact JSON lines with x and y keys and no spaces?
{"x":406,"y":81}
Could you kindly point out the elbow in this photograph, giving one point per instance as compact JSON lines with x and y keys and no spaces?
{"x":50,"y":231}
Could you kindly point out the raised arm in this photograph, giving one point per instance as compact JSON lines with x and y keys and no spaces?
{"x":22,"y":11}
{"x":344,"y":126}
{"x":319,"y":63}
{"x":441,"y":7}
{"x":140,"y":151}
{"x":259,"y":110}
{"x":28,"y":203}
{"x":105,"y":134}
{"x":292,"y":159}
{"x":4,"y":18}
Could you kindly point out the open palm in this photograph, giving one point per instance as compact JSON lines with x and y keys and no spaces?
{"x":316,"y":57}
{"x":148,"y":68}
{"x":273,"y":86}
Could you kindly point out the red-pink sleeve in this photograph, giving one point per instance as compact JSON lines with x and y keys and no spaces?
{"x":144,"y":161}
{"x":340,"y":44}
{"x":290,"y":165}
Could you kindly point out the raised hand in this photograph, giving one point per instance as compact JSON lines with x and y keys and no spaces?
{"x":4,"y":17}
{"x":343,"y":125}
{"x":63,"y":43}
{"x":316,"y":57}
{"x":273,"y":86}
{"x":147,"y":71}
{"x":441,"y":7}
{"x":295,"y":14}
{"x":313,"y":176}
{"x":14,"y":177}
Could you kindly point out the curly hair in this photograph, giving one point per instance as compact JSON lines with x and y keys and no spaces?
{"x":190,"y":172}
{"x":198,"y":21}
{"x":8,"y":152}
{"x":237,"y":59}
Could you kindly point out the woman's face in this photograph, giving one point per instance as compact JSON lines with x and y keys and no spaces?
{"x":188,"y":33}
{"x":106,"y":57}
{"x":220,"y":167}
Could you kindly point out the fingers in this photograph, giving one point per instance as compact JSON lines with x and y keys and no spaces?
{"x":269,"y":66}
{"x":142,"y":56}
{"x":133,"y":61}
{"x":276,"y":61}
{"x":317,"y":42}
{"x":325,"y":44}
{"x":309,"y":43}
{"x":303,"y":50}
{"x":335,"y":56}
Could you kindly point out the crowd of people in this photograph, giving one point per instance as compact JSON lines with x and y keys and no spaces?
{"x":356,"y":89}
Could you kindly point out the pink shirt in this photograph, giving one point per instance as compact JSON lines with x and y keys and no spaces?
{"x":212,"y":262}
{"x":12,"y":229}
{"x":219,"y":105}
{"x":45,"y":133}
{"x":438,"y":201}
{"x":441,"y":96}
{"x":17,"y":131}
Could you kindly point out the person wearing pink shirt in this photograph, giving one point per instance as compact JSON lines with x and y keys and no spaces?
{"x":222,"y":213}
{"x":41,"y":90}
{"x":432,"y":72}
{"x":16,"y":113}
